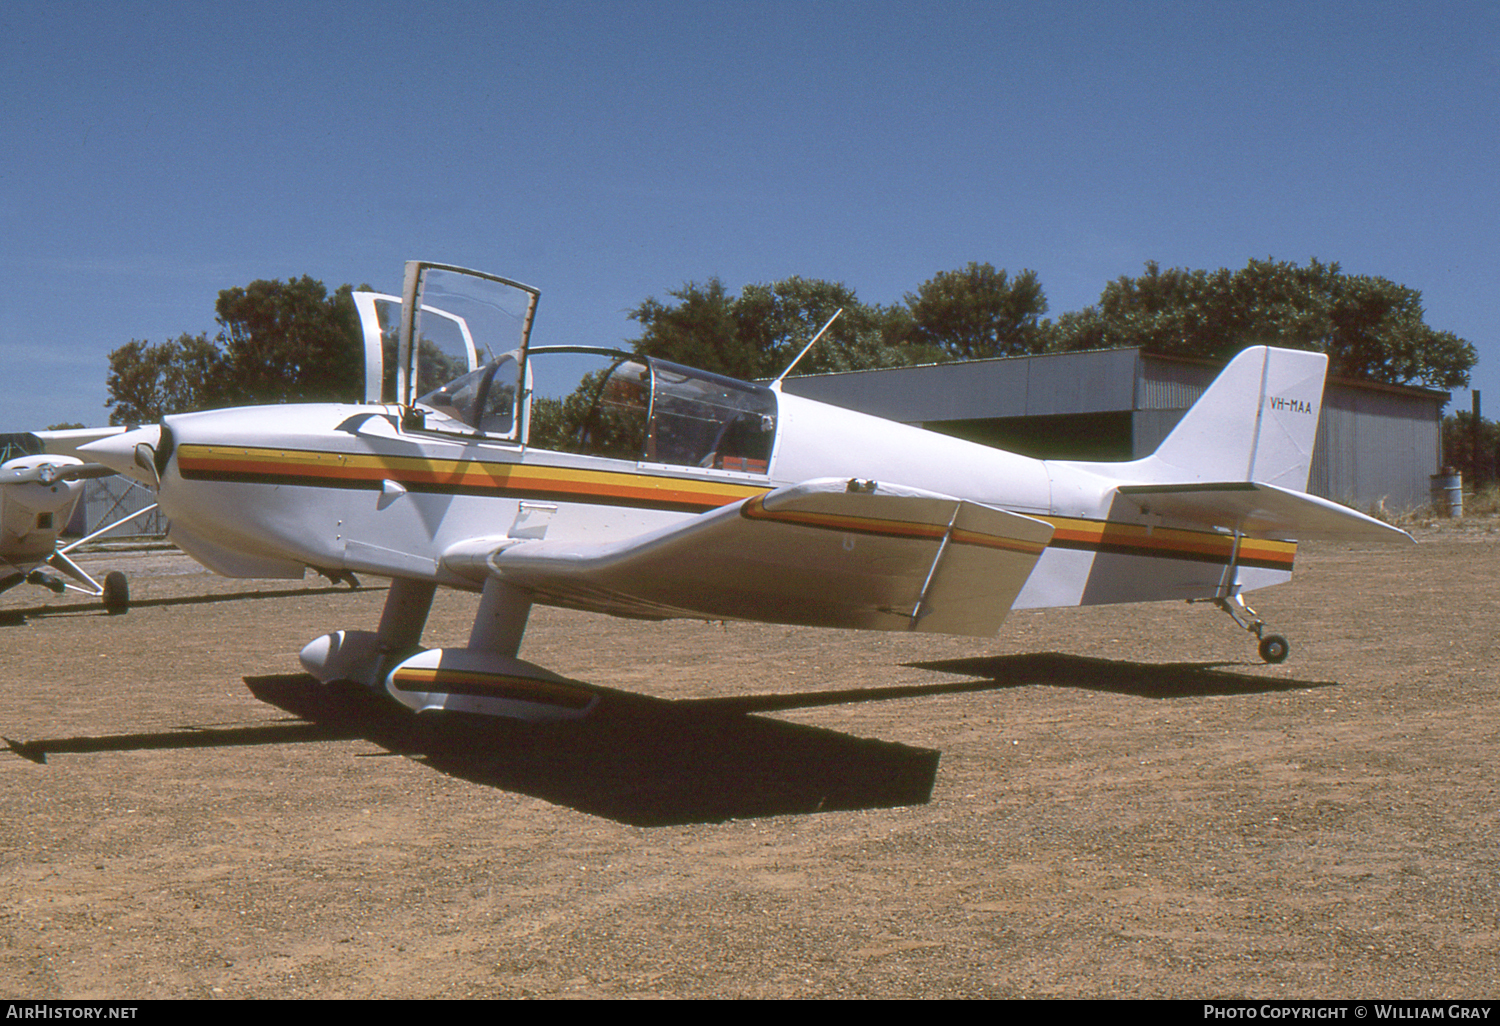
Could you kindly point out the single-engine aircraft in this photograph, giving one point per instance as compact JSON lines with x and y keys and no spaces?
{"x":37,"y":497}
{"x":623,"y":484}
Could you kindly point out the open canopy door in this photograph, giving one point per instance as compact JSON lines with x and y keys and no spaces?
{"x":453,"y":321}
{"x":380,"y":323}
{"x":464,"y":319}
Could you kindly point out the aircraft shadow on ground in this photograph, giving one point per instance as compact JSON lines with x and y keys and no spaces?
{"x":637,"y":760}
{"x":652,"y":762}
{"x":17,"y":617}
{"x":1146,"y":680}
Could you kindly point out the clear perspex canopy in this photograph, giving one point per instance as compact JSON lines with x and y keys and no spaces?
{"x":471,"y":371}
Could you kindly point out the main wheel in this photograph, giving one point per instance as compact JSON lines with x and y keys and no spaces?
{"x":116,"y":593}
{"x":1274,"y":648}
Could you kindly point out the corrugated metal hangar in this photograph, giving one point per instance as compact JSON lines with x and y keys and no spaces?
{"x":1376,"y":443}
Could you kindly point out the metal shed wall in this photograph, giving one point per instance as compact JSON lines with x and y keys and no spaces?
{"x":1376,"y":444}
{"x":1021,"y":386}
{"x":1376,"y":448}
{"x":107,"y":499}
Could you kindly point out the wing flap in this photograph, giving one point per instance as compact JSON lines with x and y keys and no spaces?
{"x":826,"y":553}
{"x":1260,"y":511}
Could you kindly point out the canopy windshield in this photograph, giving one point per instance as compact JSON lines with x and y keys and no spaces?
{"x":700,"y":419}
{"x":380,"y":323}
{"x":605,"y":403}
{"x":466,"y":373}
{"x":455,"y":321}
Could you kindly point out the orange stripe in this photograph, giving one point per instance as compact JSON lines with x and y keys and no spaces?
{"x":755,"y":509}
{"x":646,"y":489}
{"x":1168,"y":541}
{"x":459,"y":474}
{"x":496,"y":685}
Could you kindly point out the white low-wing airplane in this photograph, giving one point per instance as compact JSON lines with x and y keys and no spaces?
{"x":621,"y":484}
{"x":37,"y":497}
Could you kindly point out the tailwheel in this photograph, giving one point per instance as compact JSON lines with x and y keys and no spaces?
{"x":1274,"y":648}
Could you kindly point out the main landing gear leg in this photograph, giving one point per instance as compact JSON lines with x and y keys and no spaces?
{"x":501,"y":620}
{"x":404,"y":617}
{"x":365,"y":657}
{"x":1273,"y":647}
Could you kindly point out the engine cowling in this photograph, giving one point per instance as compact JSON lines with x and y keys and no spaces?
{"x":33,"y":513}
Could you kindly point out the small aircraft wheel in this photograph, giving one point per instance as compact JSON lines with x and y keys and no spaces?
{"x":1274,"y":648}
{"x":116,"y":593}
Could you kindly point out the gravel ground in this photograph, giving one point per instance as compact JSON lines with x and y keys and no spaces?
{"x":1108,"y":802}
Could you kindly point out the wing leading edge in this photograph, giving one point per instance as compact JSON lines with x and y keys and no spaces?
{"x":825,"y":553}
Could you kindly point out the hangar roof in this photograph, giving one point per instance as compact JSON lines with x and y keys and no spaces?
{"x":1096,"y":381}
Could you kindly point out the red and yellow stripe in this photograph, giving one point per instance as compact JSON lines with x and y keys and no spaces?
{"x":478,"y":684}
{"x":755,"y":509}
{"x":1169,"y":543}
{"x":472,"y":477}
{"x":314,"y":468}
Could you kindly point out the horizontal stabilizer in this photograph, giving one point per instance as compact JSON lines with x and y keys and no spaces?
{"x":825,"y":553}
{"x":1260,"y":511}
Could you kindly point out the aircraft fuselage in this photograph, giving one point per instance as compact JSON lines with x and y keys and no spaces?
{"x":349,"y":488}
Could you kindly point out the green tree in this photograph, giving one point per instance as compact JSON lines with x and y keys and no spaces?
{"x":699,"y":330}
{"x":759,"y":332}
{"x":1474,"y":453}
{"x":148,"y":381}
{"x":289,"y":342}
{"x":1370,"y":327}
{"x":779,"y":319}
{"x":1378,"y":332}
{"x":278,"y":342}
{"x":977,"y":312}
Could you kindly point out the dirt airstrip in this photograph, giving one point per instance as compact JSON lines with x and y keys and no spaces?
{"x":1112,"y":802}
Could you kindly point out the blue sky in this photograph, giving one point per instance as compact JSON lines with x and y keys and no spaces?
{"x":152,"y":154}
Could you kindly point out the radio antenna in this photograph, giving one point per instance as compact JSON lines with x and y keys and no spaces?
{"x":777,"y":383}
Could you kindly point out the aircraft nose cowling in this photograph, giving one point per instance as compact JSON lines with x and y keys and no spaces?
{"x":118,"y":452}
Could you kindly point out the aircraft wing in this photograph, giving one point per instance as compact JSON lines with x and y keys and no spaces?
{"x":68,"y":441}
{"x":1261,"y":511}
{"x":825,"y":553}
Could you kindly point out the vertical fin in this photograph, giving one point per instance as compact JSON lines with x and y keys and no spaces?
{"x":1258,"y":421}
